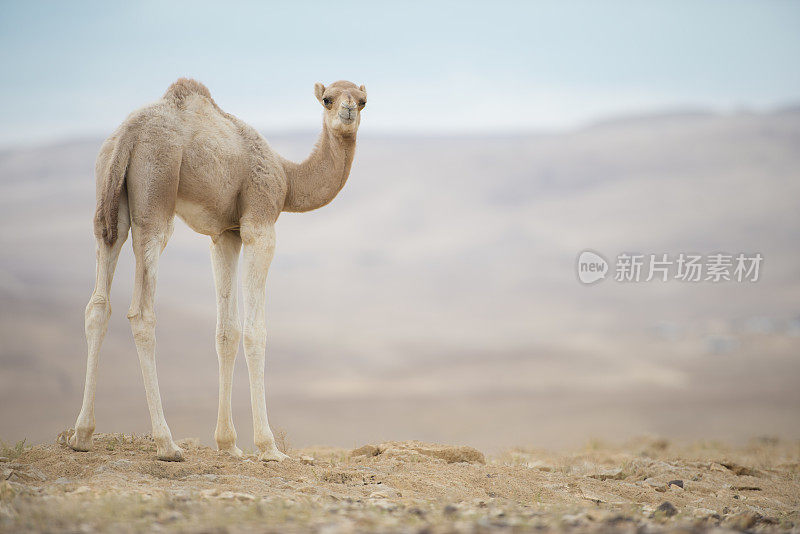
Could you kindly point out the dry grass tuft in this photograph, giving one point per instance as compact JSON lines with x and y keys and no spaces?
{"x":12,"y":452}
{"x":282,"y":441}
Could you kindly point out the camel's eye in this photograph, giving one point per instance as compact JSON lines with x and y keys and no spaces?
{"x":362,"y":103}
{"x":327,"y":101}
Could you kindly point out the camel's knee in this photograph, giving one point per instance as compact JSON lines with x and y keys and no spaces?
{"x":228,"y":334}
{"x":143,"y":325}
{"x":255,"y":339}
{"x":98,"y":310}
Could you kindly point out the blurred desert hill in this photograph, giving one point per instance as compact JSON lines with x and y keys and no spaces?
{"x":436,"y":297}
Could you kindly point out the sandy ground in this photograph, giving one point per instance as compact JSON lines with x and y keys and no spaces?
{"x":646,"y":485}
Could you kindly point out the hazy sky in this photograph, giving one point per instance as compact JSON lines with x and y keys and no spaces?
{"x":72,"y":68}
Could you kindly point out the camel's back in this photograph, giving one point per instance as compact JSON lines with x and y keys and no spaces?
{"x":221,"y":158}
{"x":183,"y":88}
{"x":190,"y":103}
{"x":218,"y":156}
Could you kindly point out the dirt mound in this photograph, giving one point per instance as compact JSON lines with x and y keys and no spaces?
{"x":416,"y":450}
{"x":400,"y":486}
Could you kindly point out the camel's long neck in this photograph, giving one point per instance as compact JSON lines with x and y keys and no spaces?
{"x":317,"y":180}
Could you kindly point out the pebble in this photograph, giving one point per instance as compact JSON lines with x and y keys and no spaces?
{"x":678,"y":483}
{"x":745,"y":520}
{"x":307,"y":460}
{"x":667,"y":509}
{"x":655,"y":484}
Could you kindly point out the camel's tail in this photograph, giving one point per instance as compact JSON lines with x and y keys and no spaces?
{"x":111,"y":184}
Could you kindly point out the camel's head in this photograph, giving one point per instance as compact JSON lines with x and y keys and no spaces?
{"x":343,"y":102}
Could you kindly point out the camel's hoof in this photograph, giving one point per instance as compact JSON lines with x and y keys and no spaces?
{"x":80,"y":442}
{"x":172,"y":454}
{"x":272,"y":456}
{"x":233,"y":450}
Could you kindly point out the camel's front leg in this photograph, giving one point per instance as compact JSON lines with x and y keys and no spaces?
{"x":225,"y":255}
{"x":259,"y":247}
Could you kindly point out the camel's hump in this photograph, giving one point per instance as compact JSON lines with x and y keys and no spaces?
{"x":183,"y":87}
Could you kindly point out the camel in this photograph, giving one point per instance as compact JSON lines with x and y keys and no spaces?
{"x":183,"y":155}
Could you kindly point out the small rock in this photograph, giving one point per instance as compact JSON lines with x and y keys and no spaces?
{"x":4,"y":459}
{"x":366,"y":450}
{"x":745,"y":520}
{"x":208,"y":493}
{"x":609,"y":474}
{"x":707,"y":514}
{"x":667,"y":509}
{"x":678,"y":483}
{"x":81,"y":490}
{"x":23,"y":473}
{"x":656,"y":485}
{"x":307,"y":460}
{"x":450,"y":509}
{"x":740,"y":470}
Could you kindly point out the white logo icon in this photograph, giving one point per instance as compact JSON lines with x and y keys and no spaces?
{"x":591,"y":267}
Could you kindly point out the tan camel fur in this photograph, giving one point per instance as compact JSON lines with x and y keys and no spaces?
{"x":183,"y":155}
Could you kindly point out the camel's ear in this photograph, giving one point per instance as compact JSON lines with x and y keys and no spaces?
{"x":363,"y":89}
{"x":319,"y":90}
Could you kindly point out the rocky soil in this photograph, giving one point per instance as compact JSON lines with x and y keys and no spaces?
{"x":648,"y":485}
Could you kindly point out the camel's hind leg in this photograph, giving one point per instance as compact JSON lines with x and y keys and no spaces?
{"x":147,"y":247}
{"x":98,"y":312}
{"x":153,"y":175}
